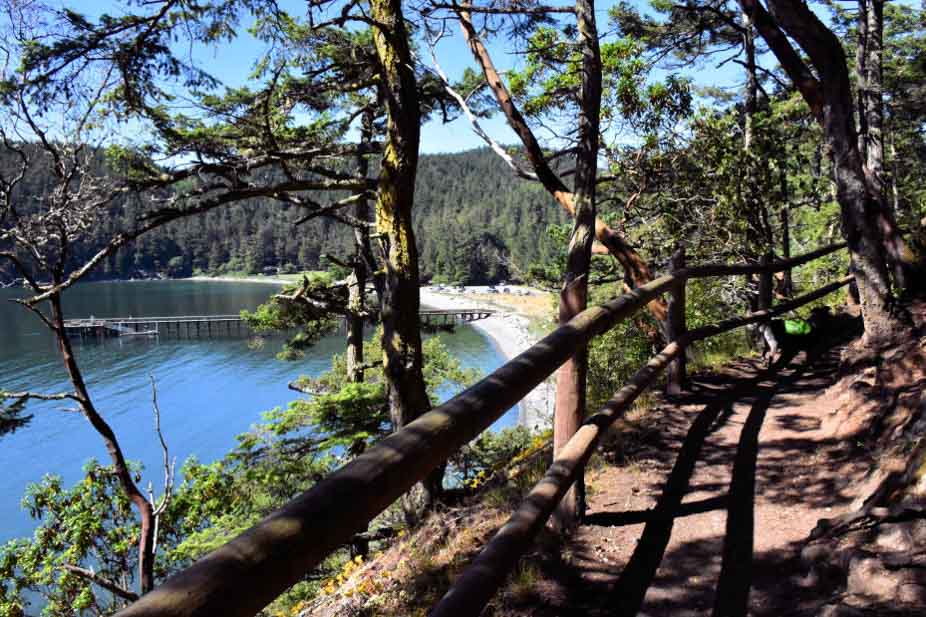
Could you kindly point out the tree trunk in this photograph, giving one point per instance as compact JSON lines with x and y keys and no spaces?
{"x":636,"y":270}
{"x":759,"y":230}
{"x":874,"y":86}
{"x":869,"y":57}
{"x":354,"y":355}
{"x":362,"y":235}
{"x":571,"y":378}
{"x":830,"y":99}
{"x":750,"y":99}
{"x":861,"y":76}
{"x":860,"y":213}
{"x":402,"y":357}
{"x":677,"y":372}
{"x":363,"y":262}
{"x":124,"y":475}
{"x":787,"y":282}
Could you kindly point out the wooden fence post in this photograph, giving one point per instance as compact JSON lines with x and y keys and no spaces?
{"x":677,"y":372}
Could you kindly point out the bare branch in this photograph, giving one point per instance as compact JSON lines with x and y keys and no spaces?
{"x":105,"y":583}
{"x":25,"y":396}
{"x":515,"y":166}
{"x":169,"y":471}
{"x":169,"y":464}
{"x":507,"y":10}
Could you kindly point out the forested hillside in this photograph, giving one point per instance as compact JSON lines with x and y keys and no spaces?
{"x":475,"y":223}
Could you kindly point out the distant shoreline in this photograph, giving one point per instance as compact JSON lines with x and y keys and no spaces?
{"x":269,"y":280}
{"x":509,"y":331}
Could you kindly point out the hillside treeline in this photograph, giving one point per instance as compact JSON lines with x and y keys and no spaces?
{"x":475,"y":223}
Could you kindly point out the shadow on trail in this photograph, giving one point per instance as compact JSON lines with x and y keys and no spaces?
{"x":634,"y":517}
{"x":687,"y":449}
{"x":736,"y":570}
{"x":731,"y":595}
{"x":630,"y":589}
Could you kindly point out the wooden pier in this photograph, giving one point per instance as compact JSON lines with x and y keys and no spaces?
{"x":190,"y":326}
{"x":446,"y":319}
{"x":185,"y":325}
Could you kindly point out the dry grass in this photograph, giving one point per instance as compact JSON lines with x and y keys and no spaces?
{"x":629,"y":435}
{"x":412,"y":575}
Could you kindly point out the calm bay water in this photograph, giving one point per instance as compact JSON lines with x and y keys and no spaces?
{"x":209,"y":389}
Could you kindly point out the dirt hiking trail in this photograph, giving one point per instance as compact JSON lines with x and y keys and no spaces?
{"x":709,"y":515}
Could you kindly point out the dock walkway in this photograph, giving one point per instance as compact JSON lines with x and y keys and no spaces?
{"x":213,"y":325}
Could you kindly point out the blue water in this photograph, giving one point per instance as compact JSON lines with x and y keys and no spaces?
{"x":209,"y":389}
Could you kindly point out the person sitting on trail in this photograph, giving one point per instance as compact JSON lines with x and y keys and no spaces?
{"x":791,"y":335}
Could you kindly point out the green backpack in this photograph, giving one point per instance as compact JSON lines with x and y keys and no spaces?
{"x":797,"y":327}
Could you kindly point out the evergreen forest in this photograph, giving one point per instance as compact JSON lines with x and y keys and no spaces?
{"x":476,"y":224}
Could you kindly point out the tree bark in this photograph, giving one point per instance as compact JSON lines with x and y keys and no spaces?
{"x":121,"y":467}
{"x":899,"y":255}
{"x":677,"y":376}
{"x":636,"y":270}
{"x":572,"y":377}
{"x":362,"y":235}
{"x":873,"y":92}
{"x":870,"y":100}
{"x":354,"y":354}
{"x":402,"y":356}
{"x":861,"y":75}
{"x":750,"y":102}
{"x":787,"y":282}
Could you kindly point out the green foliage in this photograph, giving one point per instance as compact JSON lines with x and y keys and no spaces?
{"x":305,"y":320}
{"x":550,"y":80}
{"x":549,"y":272}
{"x":490,"y":452}
{"x":475,"y":223}
{"x":709,"y":301}
{"x":91,"y":523}
{"x":615,"y":356}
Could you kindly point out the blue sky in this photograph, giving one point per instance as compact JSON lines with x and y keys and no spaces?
{"x":231,"y":63}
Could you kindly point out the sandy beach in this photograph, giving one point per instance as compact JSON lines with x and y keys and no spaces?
{"x":271,"y":280}
{"x":510,"y":332}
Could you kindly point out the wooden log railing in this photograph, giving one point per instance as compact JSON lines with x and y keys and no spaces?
{"x":476,"y":586}
{"x":244,"y":575}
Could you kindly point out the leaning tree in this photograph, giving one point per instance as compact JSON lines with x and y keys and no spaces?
{"x":824,"y":82}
